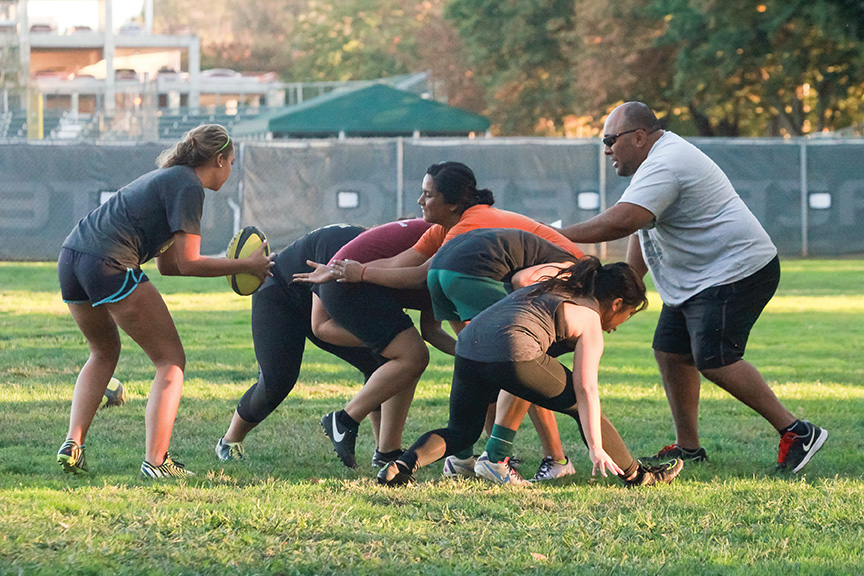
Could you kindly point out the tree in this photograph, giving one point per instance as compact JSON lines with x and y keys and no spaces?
{"x":514,"y":49}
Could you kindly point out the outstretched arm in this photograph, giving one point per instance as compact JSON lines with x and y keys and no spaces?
{"x":396,"y":272}
{"x":403,"y":277}
{"x":584,"y":324}
{"x":619,"y":221}
{"x":183,"y":258}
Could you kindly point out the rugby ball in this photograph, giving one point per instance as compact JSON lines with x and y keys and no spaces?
{"x":243,"y":244}
{"x":115,"y":394}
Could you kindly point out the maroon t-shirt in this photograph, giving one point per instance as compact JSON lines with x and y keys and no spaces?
{"x":385,"y":241}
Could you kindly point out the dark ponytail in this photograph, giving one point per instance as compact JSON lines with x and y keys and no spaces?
{"x":457,"y":184}
{"x":605,"y":283}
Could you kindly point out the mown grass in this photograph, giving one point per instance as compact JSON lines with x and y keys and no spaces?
{"x":291,"y":508}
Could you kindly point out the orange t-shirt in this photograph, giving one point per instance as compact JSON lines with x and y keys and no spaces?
{"x":485,"y":216}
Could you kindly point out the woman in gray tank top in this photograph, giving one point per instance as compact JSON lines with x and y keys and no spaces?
{"x":506,"y":346}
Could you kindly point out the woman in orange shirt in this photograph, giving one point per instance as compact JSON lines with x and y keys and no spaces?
{"x":451,"y":201}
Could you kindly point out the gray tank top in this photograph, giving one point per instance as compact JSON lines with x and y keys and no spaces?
{"x":518,"y":328}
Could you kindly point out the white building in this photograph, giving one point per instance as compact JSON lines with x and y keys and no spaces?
{"x":116,"y":74}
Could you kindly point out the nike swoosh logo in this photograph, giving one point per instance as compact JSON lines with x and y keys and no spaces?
{"x":337,"y":436}
{"x":812,"y":438}
{"x":502,"y":479}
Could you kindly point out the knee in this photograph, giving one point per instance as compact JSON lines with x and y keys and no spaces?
{"x":419,"y":360}
{"x":172,"y":359}
{"x":106,"y":351}
{"x":668,"y":360}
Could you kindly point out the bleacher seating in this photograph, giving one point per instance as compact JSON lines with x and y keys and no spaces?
{"x":174,"y":123}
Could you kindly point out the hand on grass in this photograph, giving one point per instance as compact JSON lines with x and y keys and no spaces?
{"x":602,"y":462}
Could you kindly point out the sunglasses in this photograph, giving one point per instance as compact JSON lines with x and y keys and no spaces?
{"x":611,"y":139}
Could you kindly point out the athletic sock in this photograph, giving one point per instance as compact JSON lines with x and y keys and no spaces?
{"x":500,"y":443}
{"x":346,"y":421}
{"x":407,"y":462}
{"x":389,"y":455}
{"x":464,"y":454}
{"x":798,"y":427}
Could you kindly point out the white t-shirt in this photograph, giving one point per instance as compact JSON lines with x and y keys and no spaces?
{"x":703,"y":234}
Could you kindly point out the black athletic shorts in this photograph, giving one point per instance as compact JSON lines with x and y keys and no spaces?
{"x":86,"y":278}
{"x":372,"y":313}
{"x":713,"y":326}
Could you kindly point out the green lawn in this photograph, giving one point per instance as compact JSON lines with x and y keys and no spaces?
{"x":291,"y":508}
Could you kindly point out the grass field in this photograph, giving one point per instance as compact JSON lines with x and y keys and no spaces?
{"x":291,"y":508}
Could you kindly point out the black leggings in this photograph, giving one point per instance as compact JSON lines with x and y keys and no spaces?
{"x":280,"y":326}
{"x":543,"y":381}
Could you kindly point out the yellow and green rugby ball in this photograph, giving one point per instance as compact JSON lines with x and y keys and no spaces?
{"x":244,"y":243}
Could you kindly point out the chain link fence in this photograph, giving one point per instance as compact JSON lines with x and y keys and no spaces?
{"x":808,"y":194}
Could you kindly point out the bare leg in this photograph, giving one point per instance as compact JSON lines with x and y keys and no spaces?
{"x":491,"y":412}
{"x":682,"y":382}
{"x":547,"y":430}
{"x":145,"y":318}
{"x":104,"y":341}
{"x":394,"y":413}
{"x":408,"y":357}
{"x":238,"y":429}
{"x":375,"y":420}
{"x":743,"y":381}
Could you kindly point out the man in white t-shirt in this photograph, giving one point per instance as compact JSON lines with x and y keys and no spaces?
{"x":714,"y":266}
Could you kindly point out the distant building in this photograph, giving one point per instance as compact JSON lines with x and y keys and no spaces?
{"x":105,"y":82}
{"x":82,"y":72}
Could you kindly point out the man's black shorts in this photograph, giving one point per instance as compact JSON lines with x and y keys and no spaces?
{"x":713,"y":326}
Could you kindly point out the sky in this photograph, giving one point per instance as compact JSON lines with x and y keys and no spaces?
{"x":66,"y":13}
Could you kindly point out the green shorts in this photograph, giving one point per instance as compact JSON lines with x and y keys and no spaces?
{"x":458,"y":296}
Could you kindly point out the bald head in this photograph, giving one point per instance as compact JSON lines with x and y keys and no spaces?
{"x":637,"y":115}
{"x":631,"y":130}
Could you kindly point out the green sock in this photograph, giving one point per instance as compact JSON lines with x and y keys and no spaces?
{"x":500,"y":443}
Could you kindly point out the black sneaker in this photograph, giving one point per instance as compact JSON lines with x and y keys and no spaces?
{"x":796,"y":451}
{"x":71,"y":457}
{"x":393,"y":475}
{"x":663,"y":473}
{"x":343,"y":440}
{"x":676,"y":451}
{"x":379,"y":459}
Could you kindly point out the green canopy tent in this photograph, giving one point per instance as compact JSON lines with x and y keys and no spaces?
{"x":376,"y":110}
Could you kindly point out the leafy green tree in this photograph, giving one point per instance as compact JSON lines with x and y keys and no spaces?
{"x":309,"y":40}
{"x":515,"y":50}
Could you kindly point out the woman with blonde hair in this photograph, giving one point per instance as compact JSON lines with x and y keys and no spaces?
{"x":156,"y":216}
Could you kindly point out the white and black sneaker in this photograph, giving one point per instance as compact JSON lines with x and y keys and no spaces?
{"x":455,"y":467}
{"x":795,"y":451}
{"x":169,"y":468}
{"x":343,"y":439}
{"x":550,"y":469}
{"x":498,"y":472}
